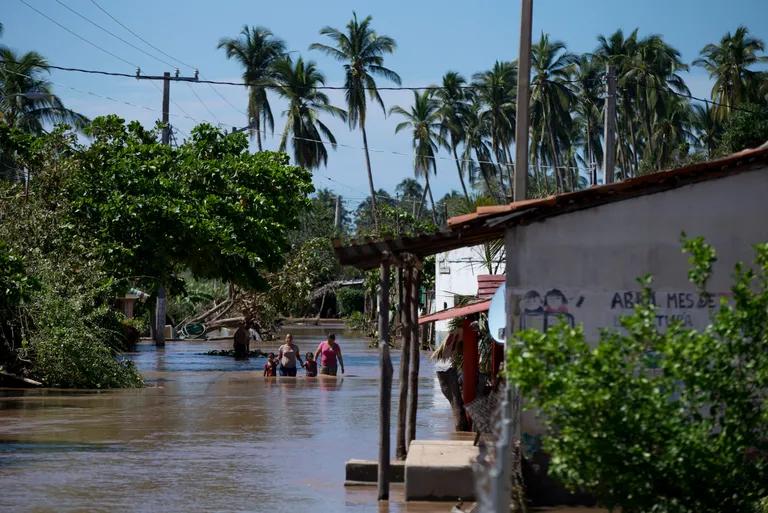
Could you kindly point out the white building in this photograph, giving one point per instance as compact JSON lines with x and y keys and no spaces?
{"x":456,"y":274}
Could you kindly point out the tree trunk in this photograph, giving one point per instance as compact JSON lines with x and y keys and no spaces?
{"x":401,"y":446}
{"x":374,"y":214}
{"x":510,"y":171}
{"x":431,"y":199}
{"x":459,"y":166}
{"x":555,"y":162}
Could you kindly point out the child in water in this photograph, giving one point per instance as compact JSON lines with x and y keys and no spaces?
{"x":310,"y":365}
{"x":270,"y":368}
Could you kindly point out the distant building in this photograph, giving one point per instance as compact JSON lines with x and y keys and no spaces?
{"x":456,"y":274}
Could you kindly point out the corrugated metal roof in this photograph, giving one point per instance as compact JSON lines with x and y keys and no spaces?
{"x":457,"y":311}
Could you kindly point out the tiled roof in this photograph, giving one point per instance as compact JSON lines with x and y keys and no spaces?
{"x":488,"y":223}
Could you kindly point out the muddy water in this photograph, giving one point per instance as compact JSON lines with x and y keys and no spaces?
{"x":208,"y":434}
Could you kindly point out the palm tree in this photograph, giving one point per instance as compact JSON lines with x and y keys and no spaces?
{"x":497,"y":91}
{"x":453,"y":104}
{"x":257,"y":50}
{"x":410,"y":192}
{"x":26,"y":99}
{"x":298,"y":84}
{"x":552,"y":100}
{"x":362,"y":51}
{"x":588,"y":108}
{"x":424,"y":119}
{"x":477,"y":154}
{"x":728,"y":63}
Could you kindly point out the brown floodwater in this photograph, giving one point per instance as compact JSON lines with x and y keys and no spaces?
{"x":207,"y":434}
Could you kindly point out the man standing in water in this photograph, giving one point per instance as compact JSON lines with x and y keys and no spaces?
{"x":287,"y":356}
{"x":329,"y":355}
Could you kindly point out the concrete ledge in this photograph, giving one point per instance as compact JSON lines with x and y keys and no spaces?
{"x":440,"y":470}
{"x":367,"y":471}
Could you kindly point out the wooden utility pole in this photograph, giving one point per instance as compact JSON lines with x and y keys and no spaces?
{"x":415,"y":353}
{"x":523,"y":102}
{"x":160,"y":304}
{"x":609,"y":157}
{"x":401,"y":447}
{"x":385,"y":383}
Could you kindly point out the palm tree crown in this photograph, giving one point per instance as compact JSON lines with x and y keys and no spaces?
{"x":424,"y":119}
{"x":26,"y":99}
{"x":298,"y":84}
{"x":257,"y":50}
{"x":362,"y":51}
{"x":728,"y":63}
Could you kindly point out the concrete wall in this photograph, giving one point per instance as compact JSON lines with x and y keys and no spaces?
{"x":456,"y":274}
{"x":584,"y":264}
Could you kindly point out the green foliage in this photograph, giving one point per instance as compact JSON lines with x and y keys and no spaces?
{"x":16,"y":289}
{"x":662,"y":422}
{"x":306,"y":268}
{"x":208,"y":206}
{"x":746,"y":128}
{"x":350,"y":300}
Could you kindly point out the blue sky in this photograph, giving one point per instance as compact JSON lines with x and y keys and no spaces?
{"x":432,"y":37}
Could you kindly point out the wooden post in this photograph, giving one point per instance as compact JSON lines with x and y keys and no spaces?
{"x":160,"y":306}
{"x":413,"y":371}
{"x":385,"y":392}
{"x":522,"y":118}
{"x":470,"y":363}
{"x":401,"y":446}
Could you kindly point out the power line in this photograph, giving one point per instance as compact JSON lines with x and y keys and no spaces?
{"x":139,"y":37}
{"x":107,"y":31}
{"x":205,"y":106}
{"x":78,"y":35}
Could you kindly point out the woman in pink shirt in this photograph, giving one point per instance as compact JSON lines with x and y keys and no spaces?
{"x":329,"y":355}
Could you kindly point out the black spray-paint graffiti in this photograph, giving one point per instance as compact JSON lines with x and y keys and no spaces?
{"x":540,"y":312}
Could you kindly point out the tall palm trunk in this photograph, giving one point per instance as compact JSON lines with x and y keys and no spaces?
{"x":494,"y":144}
{"x":374,"y":213}
{"x":431,"y":199}
{"x":510,"y":171}
{"x":555,"y":161}
{"x":459,"y":166}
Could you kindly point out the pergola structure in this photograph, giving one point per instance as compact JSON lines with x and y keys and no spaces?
{"x":406,"y":255}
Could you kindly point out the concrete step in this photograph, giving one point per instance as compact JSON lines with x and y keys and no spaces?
{"x":440,"y":470}
{"x":367,"y":471}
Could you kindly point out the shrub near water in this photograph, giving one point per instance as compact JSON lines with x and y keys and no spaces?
{"x":662,"y":422}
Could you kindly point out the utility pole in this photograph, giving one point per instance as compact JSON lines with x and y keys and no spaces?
{"x":609,"y":157}
{"x":337,"y":216}
{"x":160,"y":304}
{"x":523,"y":102}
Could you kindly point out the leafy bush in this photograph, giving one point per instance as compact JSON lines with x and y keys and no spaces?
{"x":350,"y":300}
{"x":663,"y":422}
{"x":745,"y":128}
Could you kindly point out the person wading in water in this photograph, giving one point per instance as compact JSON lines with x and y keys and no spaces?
{"x":329,"y":355}
{"x":287,"y":356}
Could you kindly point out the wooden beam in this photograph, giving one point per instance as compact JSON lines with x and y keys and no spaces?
{"x":401,"y":447}
{"x":470,"y":362}
{"x":413,"y":371}
{"x":385,"y":391}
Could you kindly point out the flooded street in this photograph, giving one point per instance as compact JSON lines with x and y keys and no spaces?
{"x":207,"y":434}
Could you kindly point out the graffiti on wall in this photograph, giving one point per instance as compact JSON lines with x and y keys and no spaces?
{"x":542,"y":310}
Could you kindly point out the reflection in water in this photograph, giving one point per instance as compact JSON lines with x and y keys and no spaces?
{"x":208,"y":434}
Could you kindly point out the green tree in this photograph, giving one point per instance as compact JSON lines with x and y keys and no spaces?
{"x":423,"y":119}
{"x":671,"y":421}
{"x":588,"y":112}
{"x":729,"y":63}
{"x":298,"y":84}
{"x":256,"y":49}
{"x":552,"y":100}
{"x":411,"y":195}
{"x":208,"y":206}
{"x":26,"y":99}
{"x":453,"y":99}
{"x":745,"y":128}
{"x":362,"y":51}
{"x":496,"y":90}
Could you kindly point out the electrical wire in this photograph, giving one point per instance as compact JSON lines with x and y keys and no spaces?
{"x":107,"y":31}
{"x":137,"y":36}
